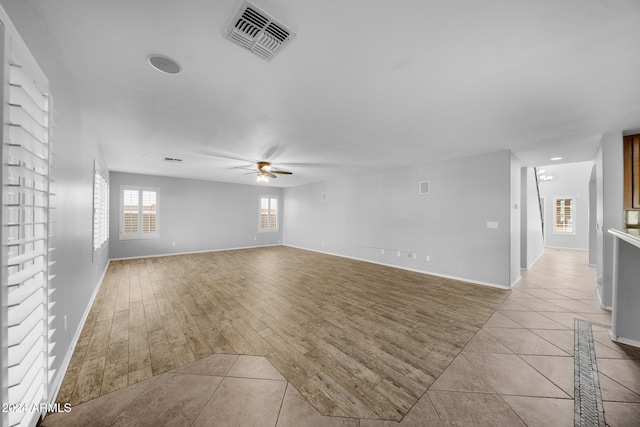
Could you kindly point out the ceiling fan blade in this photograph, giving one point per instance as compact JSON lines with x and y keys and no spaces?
{"x":224,"y":156}
{"x":310,"y":165}
{"x":281,"y":172}
{"x":271,"y":175}
{"x":273,"y":152}
{"x":250,"y":173}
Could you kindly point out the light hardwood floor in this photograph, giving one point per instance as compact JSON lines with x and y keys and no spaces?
{"x":356,"y":339}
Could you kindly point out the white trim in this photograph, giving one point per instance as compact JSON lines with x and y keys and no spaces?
{"x":194,"y":252}
{"x":534,"y":261}
{"x":627,"y":341}
{"x":474,"y":282}
{"x":602,"y":306}
{"x":515,"y":282}
{"x":564,"y":247}
{"x":55,"y":389}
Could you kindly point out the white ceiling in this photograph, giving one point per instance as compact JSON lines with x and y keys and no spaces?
{"x":366,"y":84}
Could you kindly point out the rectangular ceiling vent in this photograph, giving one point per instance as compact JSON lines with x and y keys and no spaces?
{"x":258,"y":31}
{"x":425,"y":187}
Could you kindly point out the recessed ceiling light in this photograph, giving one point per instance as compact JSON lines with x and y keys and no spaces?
{"x":553,"y":159}
{"x":164,"y":64}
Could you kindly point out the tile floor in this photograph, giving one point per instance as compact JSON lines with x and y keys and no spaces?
{"x":517,"y":370}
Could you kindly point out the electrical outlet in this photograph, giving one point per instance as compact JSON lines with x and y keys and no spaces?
{"x":415,"y":256}
{"x":398,"y":253}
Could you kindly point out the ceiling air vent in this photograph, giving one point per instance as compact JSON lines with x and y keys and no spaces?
{"x":258,"y":31}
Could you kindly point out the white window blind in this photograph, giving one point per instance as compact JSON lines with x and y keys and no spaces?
{"x":139,"y":211}
{"x":268,"y":213}
{"x":100,"y":209}
{"x":25,"y":235}
{"x":564,"y":215}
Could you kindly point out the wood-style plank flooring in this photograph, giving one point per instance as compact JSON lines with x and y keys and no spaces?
{"x":356,"y":339}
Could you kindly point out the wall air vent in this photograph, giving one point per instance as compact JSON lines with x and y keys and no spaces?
{"x":258,"y":31}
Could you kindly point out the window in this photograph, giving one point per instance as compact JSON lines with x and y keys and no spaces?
{"x":564,"y":215}
{"x":100,"y":209}
{"x":268,"y":213}
{"x":139,"y":212}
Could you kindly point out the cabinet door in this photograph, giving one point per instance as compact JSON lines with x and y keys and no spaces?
{"x":632,"y":172}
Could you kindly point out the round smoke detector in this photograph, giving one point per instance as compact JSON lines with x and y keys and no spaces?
{"x":164,"y":64}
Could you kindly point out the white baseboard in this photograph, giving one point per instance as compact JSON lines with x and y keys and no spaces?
{"x":569,"y":249}
{"x":528,"y":267}
{"x":67,"y":359}
{"x":627,"y":341}
{"x":461,"y":279}
{"x":195,"y":252}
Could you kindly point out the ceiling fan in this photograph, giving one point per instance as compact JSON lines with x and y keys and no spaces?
{"x":265,"y":171}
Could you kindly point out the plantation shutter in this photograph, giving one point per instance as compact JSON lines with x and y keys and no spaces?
{"x":273,"y":214}
{"x":564,"y":215}
{"x":25,"y":232}
{"x":100,"y":209}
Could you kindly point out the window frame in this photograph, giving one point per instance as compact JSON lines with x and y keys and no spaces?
{"x":269,"y":228}
{"x":572,"y":218}
{"x":140,"y":234}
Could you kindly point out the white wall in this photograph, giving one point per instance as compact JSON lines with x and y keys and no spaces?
{"x":569,"y":180}
{"x":516,"y":208}
{"x":365,"y":214}
{"x":610,"y":208}
{"x":196,"y":215}
{"x":531,"y":239}
{"x":75,"y":146}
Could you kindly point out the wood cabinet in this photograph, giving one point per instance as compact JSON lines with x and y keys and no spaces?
{"x":632,"y":172}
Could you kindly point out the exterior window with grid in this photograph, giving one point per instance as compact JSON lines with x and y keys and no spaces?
{"x":269,"y":220}
{"x":564,"y":215}
{"x":139,"y":212}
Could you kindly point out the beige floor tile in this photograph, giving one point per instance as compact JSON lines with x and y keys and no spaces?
{"x":98,"y":412}
{"x":499,"y":320}
{"x":172,"y":400}
{"x":615,"y":392}
{"x":523,"y":341}
{"x":622,"y":414}
{"x":578,"y":306}
{"x":513,"y":304}
{"x":533,"y":320}
{"x":509,"y":374}
{"x":535,"y":304}
{"x":484,"y":342}
{"x":544,"y":293}
{"x":564,"y":340}
{"x":461,"y":376}
{"x":296,"y":411}
{"x":542,"y":412}
{"x":473,"y":409}
{"x":216,"y":364}
{"x":254,"y":367}
{"x":243,"y":402}
{"x":559,"y":370}
{"x":625,"y":372}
